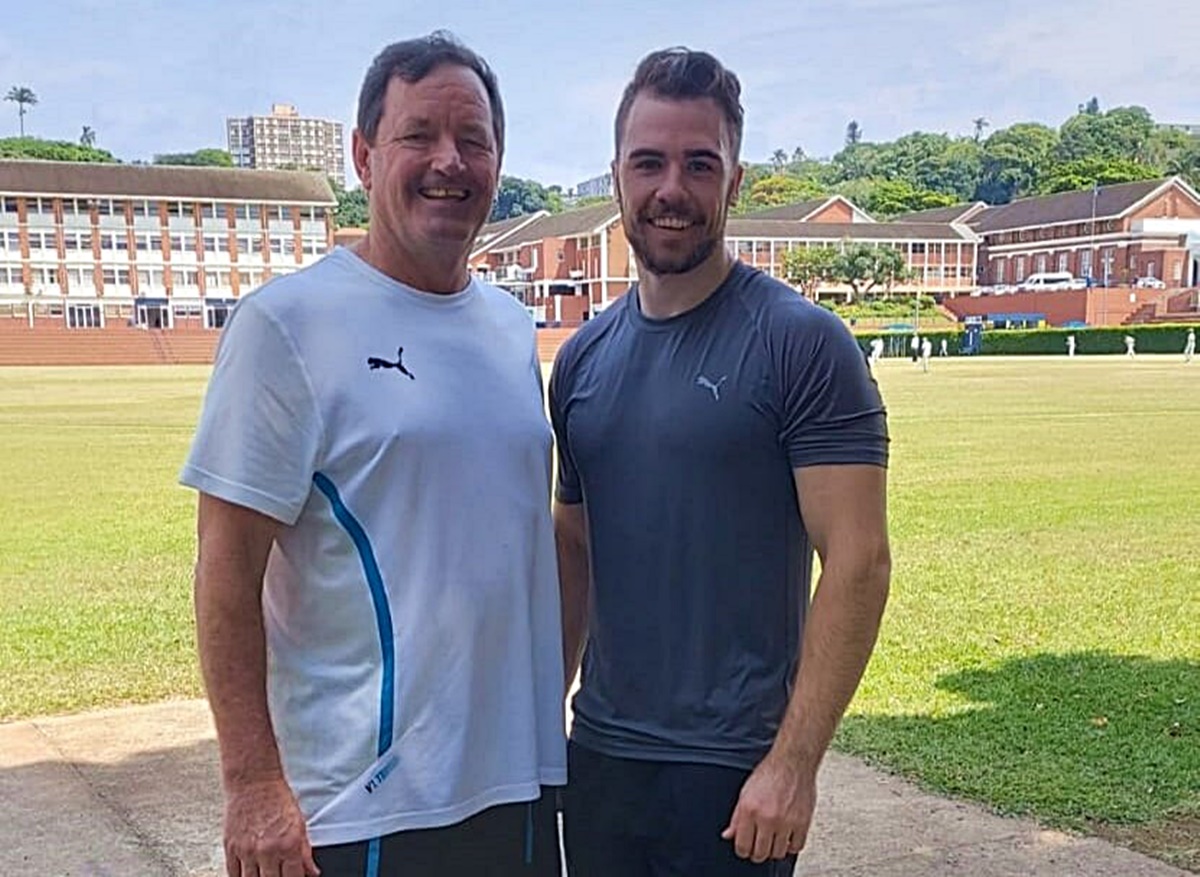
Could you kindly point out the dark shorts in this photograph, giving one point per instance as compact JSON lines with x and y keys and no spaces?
{"x":516,"y":839}
{"x":627,"y":818}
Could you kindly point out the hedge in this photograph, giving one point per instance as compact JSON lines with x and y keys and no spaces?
{"x":1151,"y":338}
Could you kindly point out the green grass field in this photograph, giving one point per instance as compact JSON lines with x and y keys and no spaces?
{"x":1041,"y":652}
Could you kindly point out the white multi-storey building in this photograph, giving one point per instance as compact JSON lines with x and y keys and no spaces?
{"x":91,"y":243}
{"x":285,"y":140}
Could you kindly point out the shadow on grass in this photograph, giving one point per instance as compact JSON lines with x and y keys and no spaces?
{"x":1078,"y":741}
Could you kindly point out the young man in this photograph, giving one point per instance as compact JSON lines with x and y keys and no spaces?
{"x":376,"y":600}
{"x":714,"y":428}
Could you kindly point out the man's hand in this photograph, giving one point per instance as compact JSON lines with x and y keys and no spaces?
{"x":773,"y":812}
{"x":265,"y":833}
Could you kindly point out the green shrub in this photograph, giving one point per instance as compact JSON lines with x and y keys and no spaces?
{"x":1157,"y":338}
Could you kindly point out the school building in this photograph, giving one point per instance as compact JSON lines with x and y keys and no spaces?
{"x":89,"y":245}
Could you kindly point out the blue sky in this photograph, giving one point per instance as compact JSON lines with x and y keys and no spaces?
{"x":161,"y":75}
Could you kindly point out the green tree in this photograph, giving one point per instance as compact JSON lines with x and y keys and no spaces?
{"x":809,"y":267}
{"x":52,"y":150}
{"x":23,"y":96}
{"x":1165,"y":146}
{"x":1013,"y":161}
{"x":779,"y":189}
{"x":979,"y":124}
{"x":1186,"y":162}
{"x":884,"y":198}
{"x":517,"y":197}
{"x":779,"y":161}
{"x":352,"y":210}
{"x":87,"y":137}
{"x":853,"y":133}
{"x":1083,"y":174}
{"x":554,"y":199}
{"x":891,"y":197}
{"x":932,"y":162}
{"x":857,"y":161}
{"x":1122,"y":132}
{"x":864,"y":267}
{"x":199,"y":158}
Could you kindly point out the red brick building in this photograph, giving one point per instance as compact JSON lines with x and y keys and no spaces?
{"x":1113,"y":235}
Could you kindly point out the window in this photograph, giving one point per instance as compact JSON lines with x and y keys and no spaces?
{"x":244,"y":280}
{"x":1041,"y":264}
{"x":118,"y":276}
{"x":1085,"y":263}
{"x":216,"y":280}
{"x":184,"y":243}
{"x":81,"y":278}
{"x":177,"y":208}
{"x":184,"y":277}
{"x":83,"y":316}
{"x":8,"y":205}
{"x":150,"y":280}
{"x":39,"y":240}
{"x":1020,"y":269}
{"x":208,"y":210}
{"x":918,"y":247}
{"x":1062,"y":261}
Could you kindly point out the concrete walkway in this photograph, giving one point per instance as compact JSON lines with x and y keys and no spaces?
{"x":134,"y":792}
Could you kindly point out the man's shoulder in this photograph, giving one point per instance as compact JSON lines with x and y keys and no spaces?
{"x":286,"y":292}
{"x":775,"y":306}
{"x":504,"y":302}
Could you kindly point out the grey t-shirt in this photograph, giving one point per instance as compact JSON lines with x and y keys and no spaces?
{"x":680,"y":436}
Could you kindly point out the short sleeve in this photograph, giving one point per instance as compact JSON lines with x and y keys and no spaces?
{"x":832,"y":409}
{"x":567,"y":489}
{"x":259,"y":431}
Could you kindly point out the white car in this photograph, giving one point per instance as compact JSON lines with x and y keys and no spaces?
{"x":1149,"y":283}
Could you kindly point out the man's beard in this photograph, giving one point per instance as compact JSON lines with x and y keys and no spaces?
{"x":664,"y":262}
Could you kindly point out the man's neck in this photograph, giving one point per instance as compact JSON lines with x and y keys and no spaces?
{"x":436,"y":272}
{"x":662,"y":296}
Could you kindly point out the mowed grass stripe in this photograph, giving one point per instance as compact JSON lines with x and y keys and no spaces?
{"x":1041,"y":651}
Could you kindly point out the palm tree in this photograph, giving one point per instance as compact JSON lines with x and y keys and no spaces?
{"x":88,"y":137}
{"x":779,"y":160}
{"x":23,"y":97}
{"x":980,"y":124}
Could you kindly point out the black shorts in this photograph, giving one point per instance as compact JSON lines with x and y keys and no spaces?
{"x":516,"y":839}
{"x":627,"y":818}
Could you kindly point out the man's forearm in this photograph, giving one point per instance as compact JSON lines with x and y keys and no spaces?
{"x":574,"y":578}
{"x":839,"y":636}
{"x":573,"y":581}
{"x":234,"y":544}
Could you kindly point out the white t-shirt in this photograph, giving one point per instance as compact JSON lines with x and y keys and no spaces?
{"x":411,"y":602}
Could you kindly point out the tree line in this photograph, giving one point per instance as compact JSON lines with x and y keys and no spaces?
{"x":917,"y":171}
{"x":924,"y":170}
